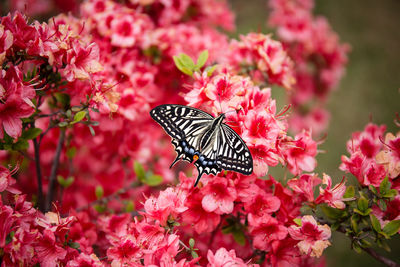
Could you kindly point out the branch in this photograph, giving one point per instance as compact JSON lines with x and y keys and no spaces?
{"x":381,"y":258}
{"x":36,"y":147}
{"x":53,"y":173}
{"x":370,"y":251}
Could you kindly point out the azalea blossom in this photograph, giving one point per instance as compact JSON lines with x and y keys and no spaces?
{"x":314,"y":237}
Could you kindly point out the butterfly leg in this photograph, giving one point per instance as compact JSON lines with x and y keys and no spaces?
{"x":198,"y":179}
{"x":176,"y":160}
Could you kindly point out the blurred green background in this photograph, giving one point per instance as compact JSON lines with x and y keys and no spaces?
{"x":368,"y":91}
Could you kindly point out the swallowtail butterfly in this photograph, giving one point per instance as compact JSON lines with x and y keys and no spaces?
{"x":198,"y":136}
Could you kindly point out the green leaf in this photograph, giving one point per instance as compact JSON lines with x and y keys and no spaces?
{"x":139,"y":171}
{"x":384,"y":186}
{"x":99,"y":191}
{"x":22,"y":144}
{"x":186,"y":61}
{"x":62,"y":98}
{"x":92,"y":132}
{"x":333,"y":213}
{"x":390,"y":193}
{"x":239,"y":237}
{"x":354,"y":223}
{"x":373,"y":189}
{"x":365,"y":244}
{"x":191,"y":242}
{"x":181,"y":66}
{"x":382,"y":205}
{"x":99,"y":208}
{"x":350,"y":192}
{"x":376,"y":225}
{"x":71,"y":152}
{"x":154,"y":180}
{"x":202,"y":59}
{"x":65,"y":182}
{"x":356,"y":248}
{"x":210,"y":70}
{"x":74,"y":245}
{"x":194,"y":254}
{"x":363,"y":213}
{"x":62,"y":124}
{"x":392,"y":227}
{"x":383,"y":244}
{"x":297,"y":221}
{"x":129,"y":206}
{"x":31,"y":133}
{"x":79,"y":116}
{"x":362,"y":204}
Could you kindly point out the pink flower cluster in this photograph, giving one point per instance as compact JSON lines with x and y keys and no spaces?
{"x":25,"y":47}
{"x":364,"y":162}
{"x":262,"y":58}
{"x":319,"y":59}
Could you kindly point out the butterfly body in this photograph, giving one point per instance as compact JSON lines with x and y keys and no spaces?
{"x":200,"y":138}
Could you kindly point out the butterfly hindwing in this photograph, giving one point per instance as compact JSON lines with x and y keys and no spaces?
{"x":233,"y":154}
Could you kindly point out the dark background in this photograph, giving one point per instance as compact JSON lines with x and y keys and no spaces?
{"x":368,"y":91}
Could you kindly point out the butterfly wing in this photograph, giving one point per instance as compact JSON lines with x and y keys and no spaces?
{"x":233,"y":153}
{"x":186,"y":126}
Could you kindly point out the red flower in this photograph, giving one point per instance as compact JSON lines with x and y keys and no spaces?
{"x":264,"y":230}
{"x":48,"y":250}
{"x":125,"y":251}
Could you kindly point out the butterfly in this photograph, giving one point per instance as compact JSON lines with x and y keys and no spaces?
{"x":198,"y":136}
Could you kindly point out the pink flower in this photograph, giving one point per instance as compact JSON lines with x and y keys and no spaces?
{"x":314,"y":237}
{"x":305,"y":185}
{"x":169,"y":204}
{"x":389,"y":157}
{"x":6,"y":181}
{"x":300,"y":153}
{"x":48,"y":250}
{"x":127,"y":28}
{"x":219,"y":195}
{"x":125,"y":251}
{"x":367,"y":171}
{"x":266,"y":55}
{"x":333,"y":197}
{"x":264,"y":230}
{"x":85,"y":260}
{"x":262,"y":203}
{"x":201,"y":220}
{"x":82,"y":61}
{"x":223,"y":258}
{"x":6,"y":41}
{"x":6,"y":221}
{"x":13,"y":102}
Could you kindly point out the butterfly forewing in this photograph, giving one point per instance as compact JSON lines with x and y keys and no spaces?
{"x":195,"y":139}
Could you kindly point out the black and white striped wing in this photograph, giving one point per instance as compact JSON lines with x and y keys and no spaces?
{"x":181,"y":122}
{"x":233,"y":154}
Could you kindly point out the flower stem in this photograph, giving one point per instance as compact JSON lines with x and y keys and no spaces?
{"x":54,"y":167}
